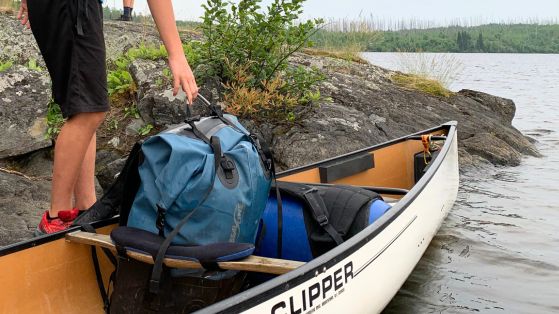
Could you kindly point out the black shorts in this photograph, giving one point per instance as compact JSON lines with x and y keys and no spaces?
{"x":70,"y":36}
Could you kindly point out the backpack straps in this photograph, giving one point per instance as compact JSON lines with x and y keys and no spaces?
{"x":318,"y":208}
{"x":315,"y":204}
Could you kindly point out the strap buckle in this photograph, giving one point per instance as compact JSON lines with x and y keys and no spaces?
{"x":192,"y":119}
{"x":311,"y":190}
{"x":227,"y":164}
{"x":154,"y":286}
{"x":160,"y":221}
{"x":322,"y":220}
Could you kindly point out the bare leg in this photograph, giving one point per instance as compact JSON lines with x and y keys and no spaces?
{"x":69,"y":152}
{"x":128,"y":3}
{"x":84,"y":191}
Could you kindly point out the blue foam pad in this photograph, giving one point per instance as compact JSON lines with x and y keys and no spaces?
{"x":148,"y":243}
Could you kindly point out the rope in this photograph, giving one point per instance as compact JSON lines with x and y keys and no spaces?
{"x":17,"y":173}
{"x":426,"y":141}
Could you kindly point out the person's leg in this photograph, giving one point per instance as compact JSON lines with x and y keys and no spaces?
{"x":84,"y":191}
{"x":70,"y":149}
{"x":128,"y":6}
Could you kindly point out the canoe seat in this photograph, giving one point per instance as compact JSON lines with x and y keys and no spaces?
{"x":250,"y":263}
{"x":145,"y":242}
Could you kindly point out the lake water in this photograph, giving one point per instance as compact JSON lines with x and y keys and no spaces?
{"x":498,"y":250}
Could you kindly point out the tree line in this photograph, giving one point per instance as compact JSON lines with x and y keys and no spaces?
{"x":491,"y":38}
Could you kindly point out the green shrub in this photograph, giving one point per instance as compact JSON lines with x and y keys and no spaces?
{"x":243,"y":34}
{"x":248,"y":48}
{"x":142,"y":52}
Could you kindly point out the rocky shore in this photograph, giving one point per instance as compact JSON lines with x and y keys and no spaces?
{"x":362,"y":106}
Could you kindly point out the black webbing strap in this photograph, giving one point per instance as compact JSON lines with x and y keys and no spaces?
{"x":82,"y":13}
{"x":96,"y":266}
{"x":155,"y":281}
{"x":280,"y":209}
{"x":160,"y":220}
{"x":215,"y":143}
{"x":316,"y":205}
{"x":157,"y":271}
{"x":108,"y":253}
{"x":99,"y":278}
{"x":318,"y":208}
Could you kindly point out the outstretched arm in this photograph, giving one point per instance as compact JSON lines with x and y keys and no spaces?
{"x":162,"y":12}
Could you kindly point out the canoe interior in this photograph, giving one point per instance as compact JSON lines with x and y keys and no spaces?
{"x":58,"y":277}
{"x":394,"y":168}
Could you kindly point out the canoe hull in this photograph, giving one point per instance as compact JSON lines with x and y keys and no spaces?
{"x":375,"y":267}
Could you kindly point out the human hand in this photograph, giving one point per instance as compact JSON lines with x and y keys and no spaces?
{"x":23,"y":14}
{"x":183,"y":77}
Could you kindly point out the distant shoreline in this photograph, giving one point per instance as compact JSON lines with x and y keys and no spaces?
{"x":491,"y":38}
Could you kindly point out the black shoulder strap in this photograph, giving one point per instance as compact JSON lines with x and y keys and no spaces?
{"x":120,"y":194}
{"x":154,"y":283}
{"x":315,"y":204}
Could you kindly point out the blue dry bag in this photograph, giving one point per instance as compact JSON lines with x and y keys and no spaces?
{"x":209,"y":178}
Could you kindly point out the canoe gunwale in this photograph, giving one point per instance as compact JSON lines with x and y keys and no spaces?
{"x":52,"y":237}
{"x":254,"y":296}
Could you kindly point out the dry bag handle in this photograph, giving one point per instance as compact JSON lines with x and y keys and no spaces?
{"x":214,"y":109}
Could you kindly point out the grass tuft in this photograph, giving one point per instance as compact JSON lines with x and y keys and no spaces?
{"x":421,"y":83}
{"x":347,"y":55}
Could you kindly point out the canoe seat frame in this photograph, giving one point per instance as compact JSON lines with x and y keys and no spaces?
{"x":252,"y":263}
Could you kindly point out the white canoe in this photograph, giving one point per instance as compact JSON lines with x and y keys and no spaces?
{"x":53,"y":275}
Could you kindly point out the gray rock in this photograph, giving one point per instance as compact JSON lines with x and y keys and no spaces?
{"x":19,"y":45}
{"x":333,"y":130}
{"x":38,"y":164}
{"x":148,"y":76}
{"x":107,"y":174}
{"x":24,"y":95}
{"x":106,"y":167}
{"x":391,"y":111}
{"x":169,"y":109}
{"x":16,"y":43}
{"x":500,"y":153}
{"x":22,"y":203}
{"x":134,"y":127}
{"x":156,"y":103}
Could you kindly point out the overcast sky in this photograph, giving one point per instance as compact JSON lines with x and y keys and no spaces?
{"x":439,"y":11}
